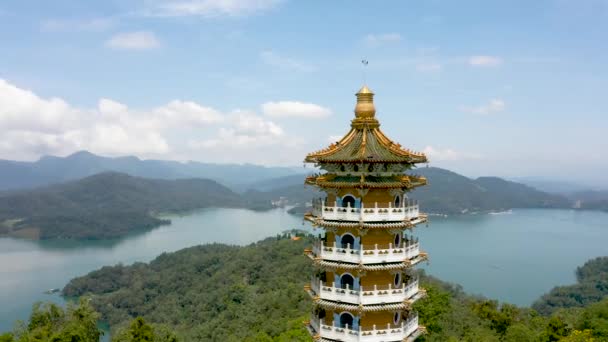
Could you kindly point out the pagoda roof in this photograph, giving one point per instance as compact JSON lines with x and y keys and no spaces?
{"x":365,"y":142}
{"x":372,"y":182}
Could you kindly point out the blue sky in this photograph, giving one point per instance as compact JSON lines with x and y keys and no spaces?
{"x":507,"y":88}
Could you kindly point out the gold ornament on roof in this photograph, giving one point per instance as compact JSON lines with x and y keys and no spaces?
{"x":365,"y":103}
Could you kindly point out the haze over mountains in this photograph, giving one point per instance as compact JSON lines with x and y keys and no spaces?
{"x":51,"y":199}
{"x":50,"y":169}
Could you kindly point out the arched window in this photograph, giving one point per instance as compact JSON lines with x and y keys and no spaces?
{"x":348,"y":200}
{"x":397,"y":240}
{"x":397,"y":317}
{"x":397,"y":202}
{"x":347,"y":240}
{"x":397,"y":279}
{"x":346,"y":319}
{"x":347,"y":280}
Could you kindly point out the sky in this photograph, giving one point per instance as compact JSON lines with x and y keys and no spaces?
{"x":505,"y":88}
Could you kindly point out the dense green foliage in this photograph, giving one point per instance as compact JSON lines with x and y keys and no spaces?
{"x":107,"y":205}
{"x":213,"y":292}
{"x":254,"y":293}
{"x":140,"y":331}
{"x":49,"y":322}
{"x":78,"y":323}
{"x":591,"y":287}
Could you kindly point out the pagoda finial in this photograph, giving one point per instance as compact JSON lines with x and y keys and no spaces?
{"x":365,"y":103}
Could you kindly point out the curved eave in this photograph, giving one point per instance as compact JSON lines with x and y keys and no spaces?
{"x":407,"y":182}
{"x":334,"y":148}
{"x":367,"y":267}
{"x":365,"y":145}
{"x":329,"y":304}
{"x":318,"y":221}
{"x":421,"y":330}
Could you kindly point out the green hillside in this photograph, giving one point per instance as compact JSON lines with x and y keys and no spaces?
{"x":255,"y":293}
{"x":106,"y":205}
{"x":591,"y":287}
{"x":450,"y":193}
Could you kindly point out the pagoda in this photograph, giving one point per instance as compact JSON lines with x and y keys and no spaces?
{"x":363,"y":286}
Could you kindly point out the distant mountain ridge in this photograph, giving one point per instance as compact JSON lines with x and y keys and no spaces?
{"x":111,"y":204}
{"x":446,"y":193}
{"x":50,"y":170}
{"x":450,"y":193}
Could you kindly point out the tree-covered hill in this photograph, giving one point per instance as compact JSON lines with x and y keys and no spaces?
{"x":255,"y":293}
{"x":210,"y":293}
{"x":451,"y":193}
{"x":591,"y":287}
{"x":106,"y":205}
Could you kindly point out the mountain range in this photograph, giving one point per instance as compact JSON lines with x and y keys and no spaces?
{"x":127,"y":194}
{"x":50,"y":169}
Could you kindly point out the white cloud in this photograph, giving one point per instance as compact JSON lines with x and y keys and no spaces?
{"x":447,"y":154}
{"x":284,"y":109}
{"x":273,"y":59}
{"x":485,"y":61}
{"x":428,"y":67}
{"x":32,"y":126}
{"x":492,"y":107}
{"x":91,"y":24}
{"x":376,"y":39}
{"x":209,"y":8}
{"x":21,"y":109}
{"x":138,"y":40}
{"x":188,"y":113}
{"x":247,"y":130}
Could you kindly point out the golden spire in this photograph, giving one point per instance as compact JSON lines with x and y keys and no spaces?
{"x":365,"y":103}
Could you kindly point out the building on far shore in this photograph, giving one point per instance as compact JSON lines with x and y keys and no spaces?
{"x":364,"y":286}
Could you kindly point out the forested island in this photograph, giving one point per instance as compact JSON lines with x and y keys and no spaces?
{"x":255,"y":293}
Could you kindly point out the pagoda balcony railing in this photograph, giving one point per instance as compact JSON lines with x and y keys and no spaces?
{"x":390,"y":332}
{"x":379,"y":212}
{"x":365,"y":255}
{"x":365,"y":295}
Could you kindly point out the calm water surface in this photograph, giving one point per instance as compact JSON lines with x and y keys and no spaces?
{"x":513,"y":257}
{"x":28,"y":268}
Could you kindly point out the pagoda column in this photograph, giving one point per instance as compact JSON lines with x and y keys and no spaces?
{"x":363,"y":286}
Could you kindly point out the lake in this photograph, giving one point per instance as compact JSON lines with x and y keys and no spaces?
{"x":512,"y":257}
